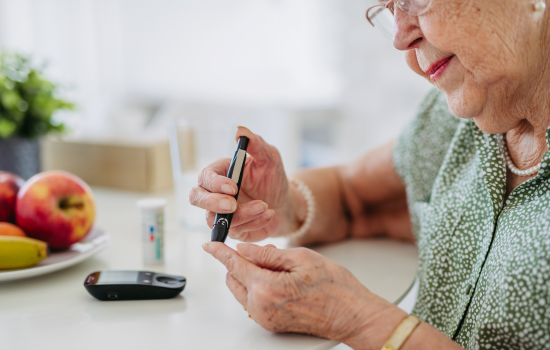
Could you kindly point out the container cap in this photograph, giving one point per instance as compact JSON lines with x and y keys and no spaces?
{"x":152,"y":203}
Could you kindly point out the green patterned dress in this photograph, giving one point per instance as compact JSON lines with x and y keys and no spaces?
{"x":484,"y":263}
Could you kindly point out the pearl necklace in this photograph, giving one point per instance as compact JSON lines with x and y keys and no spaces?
{"x":528,"y":172}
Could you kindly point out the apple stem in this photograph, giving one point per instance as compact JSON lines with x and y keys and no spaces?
{"x":65,"y":203}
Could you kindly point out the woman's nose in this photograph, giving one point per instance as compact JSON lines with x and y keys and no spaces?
{"x":407,"y":32}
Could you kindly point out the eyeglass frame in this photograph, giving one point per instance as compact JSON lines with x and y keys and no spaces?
{"x":387,"y":5}
{"x":390,"y":5}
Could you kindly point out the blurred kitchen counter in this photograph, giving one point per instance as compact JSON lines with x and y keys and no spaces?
{"x":55,"y":312}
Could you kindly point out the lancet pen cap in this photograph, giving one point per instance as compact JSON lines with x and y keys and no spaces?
{"x":243,"y":143}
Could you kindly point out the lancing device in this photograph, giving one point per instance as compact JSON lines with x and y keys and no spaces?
{"x":235,"y":173}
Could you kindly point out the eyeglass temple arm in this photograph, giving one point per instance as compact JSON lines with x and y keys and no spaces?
{"x":386,"y":5}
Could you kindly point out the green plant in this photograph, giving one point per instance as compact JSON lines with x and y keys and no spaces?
{"x":27,"y":99}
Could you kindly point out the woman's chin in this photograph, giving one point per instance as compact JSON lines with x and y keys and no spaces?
{"x":473,"y":107}
{"x":465,"y":102}
{"x":490,"y":124}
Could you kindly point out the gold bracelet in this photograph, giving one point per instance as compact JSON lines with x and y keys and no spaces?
{"x":401,"y":333}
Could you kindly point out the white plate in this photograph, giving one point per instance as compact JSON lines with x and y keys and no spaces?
{"x":93,"y":243}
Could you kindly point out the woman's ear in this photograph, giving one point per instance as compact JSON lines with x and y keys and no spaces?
{"x":412,"y":61}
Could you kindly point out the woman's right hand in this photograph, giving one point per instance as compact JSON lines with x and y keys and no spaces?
{"x":265,"y":205}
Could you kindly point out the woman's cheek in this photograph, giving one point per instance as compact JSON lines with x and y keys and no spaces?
{"x":412,"y":62}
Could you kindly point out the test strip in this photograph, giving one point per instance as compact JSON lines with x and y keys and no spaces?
{"x":239,"y":163}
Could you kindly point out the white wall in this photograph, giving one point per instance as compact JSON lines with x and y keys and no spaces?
{"x":380,"y":92}
{"x":115,"y":54}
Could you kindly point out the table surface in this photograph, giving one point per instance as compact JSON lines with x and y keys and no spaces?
{"x":54,"y":311}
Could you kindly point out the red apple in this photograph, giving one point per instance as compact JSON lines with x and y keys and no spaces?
{"x":55,"y":207}
{"x":9,"y":186}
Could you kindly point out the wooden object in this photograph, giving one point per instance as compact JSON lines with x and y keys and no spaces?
{"x":132,"y":165}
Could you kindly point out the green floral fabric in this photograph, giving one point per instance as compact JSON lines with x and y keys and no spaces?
{"x":484,"y":263}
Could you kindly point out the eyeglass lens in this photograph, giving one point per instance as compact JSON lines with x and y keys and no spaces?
{"x":411,"y":7}
{"x":382,"y":19}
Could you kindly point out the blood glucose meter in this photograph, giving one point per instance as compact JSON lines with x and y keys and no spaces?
{"x":133,"y":285}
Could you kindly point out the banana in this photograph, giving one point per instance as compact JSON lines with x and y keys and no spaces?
{"x":16,"y":252}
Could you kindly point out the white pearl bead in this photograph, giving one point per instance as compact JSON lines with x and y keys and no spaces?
{"x":510,"y":164}
{"x":540,"y":6}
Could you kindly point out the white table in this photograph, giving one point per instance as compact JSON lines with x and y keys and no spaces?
{"x":54,"y":311}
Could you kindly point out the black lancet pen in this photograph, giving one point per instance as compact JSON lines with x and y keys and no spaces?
{"x":235,"y":173}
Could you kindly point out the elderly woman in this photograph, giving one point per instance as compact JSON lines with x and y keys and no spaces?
{"x":472,"y":191}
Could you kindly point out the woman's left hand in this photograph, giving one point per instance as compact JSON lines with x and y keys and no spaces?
{"x":299,"y":290}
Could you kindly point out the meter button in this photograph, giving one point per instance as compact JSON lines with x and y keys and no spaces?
{"x":146,"y":280}
{"x":164,"y":279}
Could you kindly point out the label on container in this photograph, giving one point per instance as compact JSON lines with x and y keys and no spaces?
{"x":152,"y":227}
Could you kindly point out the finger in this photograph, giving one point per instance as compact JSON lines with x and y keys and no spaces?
{"x":245,"y":213}
{"x":248,"y":212}
{"x":213,"y":179}
{"x":240,"y":268}
{"x":258,"y":235}
{"x":238,"y":289}
{"x":210,"y":217}
{"x":262,"y":152}
{"x":269,"y":257}
{"x":260,"y":222}
{"x":218,"y":203}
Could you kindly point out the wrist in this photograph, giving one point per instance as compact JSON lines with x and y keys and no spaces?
{"x":296,"y":209}
{"x":377,"y":326}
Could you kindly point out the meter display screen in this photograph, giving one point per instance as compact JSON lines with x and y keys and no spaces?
{"x":113,"y":277}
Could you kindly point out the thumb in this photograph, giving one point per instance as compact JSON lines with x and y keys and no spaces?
{"x":268,"y":257}
{"x":261,"y":151}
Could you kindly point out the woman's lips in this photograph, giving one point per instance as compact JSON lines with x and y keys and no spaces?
{"x":438,"y":68}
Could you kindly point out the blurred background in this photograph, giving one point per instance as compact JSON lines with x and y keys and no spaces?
{"x":311,"y":76}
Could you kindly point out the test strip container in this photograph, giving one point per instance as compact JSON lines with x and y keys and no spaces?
{"x":152,"y":229}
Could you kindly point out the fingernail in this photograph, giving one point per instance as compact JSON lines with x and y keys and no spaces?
{"x":226,"y":204}
{"x":228,"y":189}
{"x":258,"y":208}
{"x":269,"y":214}
{"x":206,"y":246}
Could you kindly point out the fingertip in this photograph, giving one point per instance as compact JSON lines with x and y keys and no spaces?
{"x":229,"y":188}
{"x":211,"y":246}
{"x":243,"y":131}
{"x":217,"y":249}
{"x":228,"y":204}
{"x":269,"y":214}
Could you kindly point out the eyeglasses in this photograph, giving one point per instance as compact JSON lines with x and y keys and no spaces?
{"x":381,"y":15}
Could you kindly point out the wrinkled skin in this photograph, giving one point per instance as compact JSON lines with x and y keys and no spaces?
{"x":263,"y":172}
{"x":498,"y":76}
{"x":299,"y":290}
{"x":498,"y":56}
